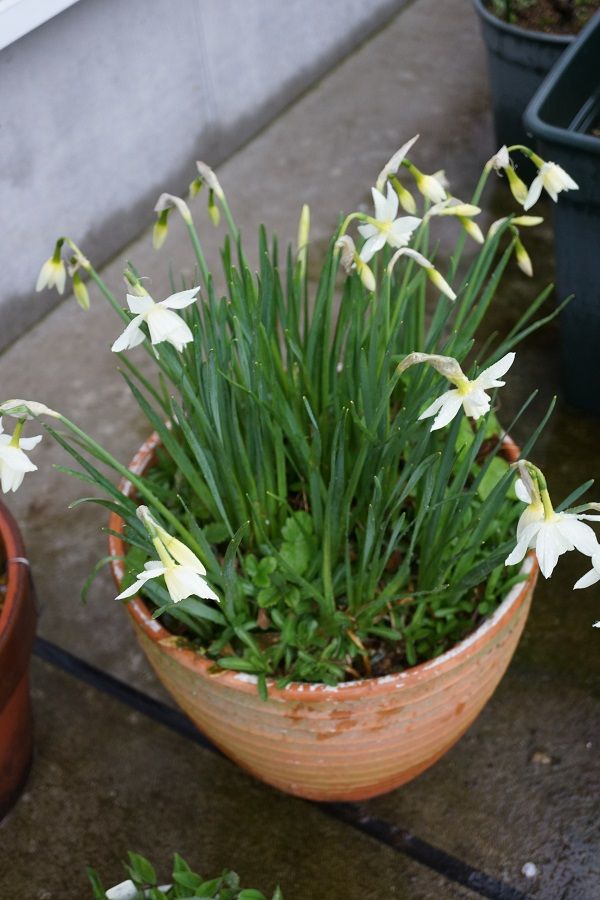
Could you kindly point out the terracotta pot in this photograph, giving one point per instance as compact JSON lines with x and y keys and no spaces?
{"x":17,"y":631}
{"x":349,"y":742}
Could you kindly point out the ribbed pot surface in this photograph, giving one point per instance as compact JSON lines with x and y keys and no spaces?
{"x":350,"y":742}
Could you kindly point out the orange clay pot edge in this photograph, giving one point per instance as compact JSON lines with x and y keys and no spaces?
{"x":313,"y":692}
{"x":17,"y":575}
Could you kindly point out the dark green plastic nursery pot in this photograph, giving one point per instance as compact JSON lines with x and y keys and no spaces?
{"x":518,"y":61}
{"x":560,"y":117}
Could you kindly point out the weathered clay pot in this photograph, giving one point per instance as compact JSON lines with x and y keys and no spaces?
{"x":17,"y":631}
{"x":350,"y":742}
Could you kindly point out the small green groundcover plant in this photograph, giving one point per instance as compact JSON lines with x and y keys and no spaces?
{"x":185,"y":884}
{"x":329,"y":499}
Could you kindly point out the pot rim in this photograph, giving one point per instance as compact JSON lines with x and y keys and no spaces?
{"x":518,"y":31}
{"x":313,"y":691}
{"x":17,"y":576}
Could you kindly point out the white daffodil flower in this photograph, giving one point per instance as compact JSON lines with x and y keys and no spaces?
{"x":52,"y":274}
{"x":14,"y":463}
{"x":432,"y":273}
{"x":182,"y":570}
{"x":541,"y":528}
{"x":350,"y":259}
{"x":470,"y":395}
{"x":552,"y":178}
{"x":392,"y":165}
{"x":163,"y":323}
{"x":385,"y":228}
{"x":591,"y":577}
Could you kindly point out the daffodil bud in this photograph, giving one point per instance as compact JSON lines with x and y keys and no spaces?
{"x":213,"y":209}
{"x":472,"y":229}
{"x":407,"y":201}
{"x":161,"y":229}
{"x":210,"y":179}
{"x":27,"y":409}
{"x":170,"y":201}
{"x":440,"y":282}
{"x":523,"y":258}
{"x":303,"y":233}
{"x":195,"y":187}
{"x":365,"y":274}
{"x":80,"y":291}
{"x":517,"y":186}
{"x":431,"y":186}
{"x":303,"y":228}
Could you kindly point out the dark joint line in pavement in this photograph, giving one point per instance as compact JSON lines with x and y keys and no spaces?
{"x":349,"y":814}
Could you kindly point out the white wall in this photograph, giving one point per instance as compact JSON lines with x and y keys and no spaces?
{"x":110,"y":102}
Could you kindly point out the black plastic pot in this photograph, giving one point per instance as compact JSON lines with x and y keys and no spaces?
{"x":560,"y":117}
{"x":518,"y":61}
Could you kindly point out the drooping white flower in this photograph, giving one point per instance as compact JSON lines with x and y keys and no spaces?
{"x":163,"y":323}
{"x":52,"y":274}
{"x":591,"y":577}
{"x":432,"y":273}
{"x":552,"y":178}
{"x":182,"y":570}
{"x":542,"y":529}
{"x":468,"y":395}
{"x":385,"y":228}
{"x":14,"y":463}
{"x":393,"y":164}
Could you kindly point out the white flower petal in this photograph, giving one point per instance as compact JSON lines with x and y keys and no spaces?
{"x":549,"y":545}
{"x":29,"y":443}
{"x":450,"y":408}
{"x":139,"y":305}
{"x":489,"y":377}
{"x":393,"y":164}
{"x":131,"y":337}
{"x":181,"y":299}
{"x":587,"y":580}
{"x":380,"y":204}
{"x":371,"y":246}
{"x":166,"y":325}
{"x":522,"y":492}
{"x":533,"y":194}
{"x":577,"y":533}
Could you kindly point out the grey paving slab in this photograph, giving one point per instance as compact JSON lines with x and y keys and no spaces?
{"x":106,"y":779}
